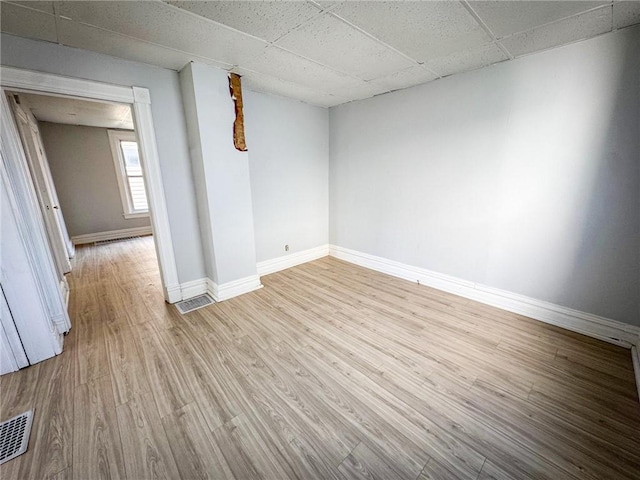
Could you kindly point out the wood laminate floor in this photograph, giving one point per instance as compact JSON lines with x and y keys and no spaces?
{"x":331,"y":371}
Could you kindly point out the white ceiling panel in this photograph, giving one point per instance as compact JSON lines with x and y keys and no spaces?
{"x":103,"y":41}
{"x":324,"y":4}
{"x":268,"y":20}
{"x":362,"y":91}
{"x":78,"y":112}
{"x":407,"y":78}
{"x":330,"y":41}
{"x":421,"y":30}
{"x":46,"y":7}
{"x":331,"y":51}
{"x":626,"y":14}
{"x":507,"y":17}
{"x":26,"y":22}
{"x":466,"y":60}
{"x":292,"y":68}
{"x":559,"y":33}
{"x":162,"y":24}
{"x":267,"y":84}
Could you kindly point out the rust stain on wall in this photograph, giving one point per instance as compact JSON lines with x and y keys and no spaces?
{"x":235,"y":88}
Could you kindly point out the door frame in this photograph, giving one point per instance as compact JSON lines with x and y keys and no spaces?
{"x":16,"y":79}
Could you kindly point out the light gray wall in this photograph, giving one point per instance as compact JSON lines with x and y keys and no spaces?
{"x":523,"y":176}
{"x":168,"y":117}
{"x":288,"y":144}
{"x":85,"y":178}
{"x":209,"y":109}
{"x":198,"y":168}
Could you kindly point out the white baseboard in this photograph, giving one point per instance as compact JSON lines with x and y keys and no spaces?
{"x":58,"y":343}
{"x":635,"y":356}
{"x":291,"y":260}
{"x":592,"y":325}
{"x":60,"y":325}
{"x":173,"y":293}
{"x":233,"y":289}
{"x":194,"y":288}
{"x":110,"y":235}
{"x":187,"y":290}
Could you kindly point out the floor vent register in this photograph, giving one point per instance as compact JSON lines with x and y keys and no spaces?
{"x":195,"y":303}
{"x":14,"y":436}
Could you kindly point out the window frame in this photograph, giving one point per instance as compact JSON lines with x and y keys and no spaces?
{"x":115,"y":137}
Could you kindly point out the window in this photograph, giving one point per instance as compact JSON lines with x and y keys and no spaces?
{"x":124,"y":149}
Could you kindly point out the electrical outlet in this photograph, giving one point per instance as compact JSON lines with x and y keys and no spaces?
{"x":286,"y":248}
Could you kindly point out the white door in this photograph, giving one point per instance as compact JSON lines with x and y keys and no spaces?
{"x":12,"y":356}
{"x":44,"y":190}
{"x":28,"y":329}
{"x":71,"y":249}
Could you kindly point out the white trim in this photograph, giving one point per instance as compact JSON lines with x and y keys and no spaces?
{"x":291,"y":260}
{"x":602,"y":328}
{"x":232,"y":289}
{"x":143,"y":121}
{"x":110,"y":235}
{"x":635,"y":356}
{"x":194,"y":288}
{"x":18,"y":79}
{"x":129,"y":216}
{"x":64,"y":291}
{"x":173,"y":293}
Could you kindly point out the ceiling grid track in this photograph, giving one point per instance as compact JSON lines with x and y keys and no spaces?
{"x":323,"y":53}
{"x":487,"y":30}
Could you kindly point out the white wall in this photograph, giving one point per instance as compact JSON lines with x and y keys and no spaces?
{"x":523,"y":176}
{"x":222,"y":174}
{"x":168,"y":117}
{"x":85,"y":178}
{"x":288,"y":144}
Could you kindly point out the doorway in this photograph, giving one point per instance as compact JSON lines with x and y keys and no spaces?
{"x":25,"y":204}
{"x":84,"y":161}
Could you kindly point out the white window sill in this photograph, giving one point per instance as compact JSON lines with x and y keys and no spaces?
{"x":135,"y":215}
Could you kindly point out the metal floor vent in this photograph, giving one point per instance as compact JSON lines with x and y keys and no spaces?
{"x":14,"y":436}
{"x":113,"y":240}
{"x":194,"y":303}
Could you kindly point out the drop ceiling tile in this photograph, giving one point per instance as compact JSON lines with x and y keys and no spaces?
{"x":332,"y":42}
{"x":361,"y":91}
{"x":25,"y":22}
{"x":103,"y":41}
{"x":267,"y":84}
{"x":626,"y":14}
{"x":324,"y":5}
{"x":46,"y":7}
{"x":292,"y":68}
{"x":559,"y":33}
{"x":505,"y":18}
{"x":466,"y":60}
{"x":164,"y":25}
{"x":268,"y":20}
{"x":407,"y":78}
{"x":421,"y":30}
